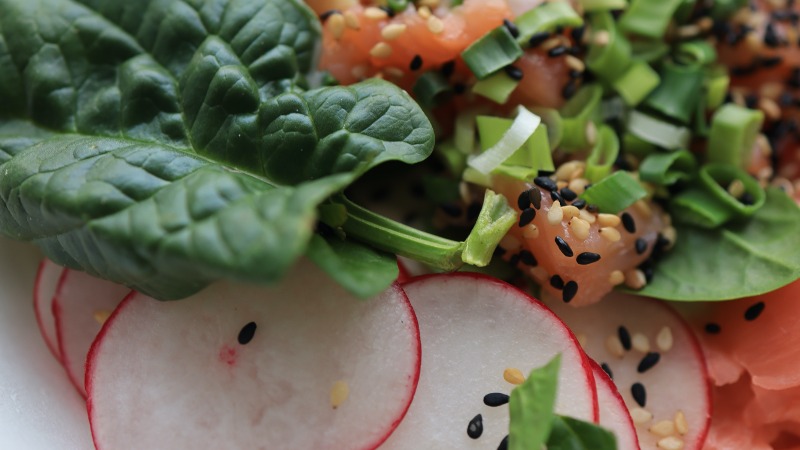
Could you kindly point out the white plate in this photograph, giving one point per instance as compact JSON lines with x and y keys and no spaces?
{"x":39,"y":408}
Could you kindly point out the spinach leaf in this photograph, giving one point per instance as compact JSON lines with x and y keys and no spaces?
{"x":739,"y":260}
{"x":531,"y":407}
{"x":166,"y":143}
{"x":574,"y":434}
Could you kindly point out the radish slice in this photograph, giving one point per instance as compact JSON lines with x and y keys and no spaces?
{"x":614,"y":414}
{"x":655,"y":362}
{"x":302,"y":365}
{"x":44,"y":291}
{"x":478,"y":332}
{"x":81,"y":306}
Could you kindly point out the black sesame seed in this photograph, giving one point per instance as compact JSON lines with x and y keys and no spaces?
{"x":473,"y":210}
{"x":246,"y":333}
{"x":628,"y":223}
{"x":555,"y":196}
{"x":751,"y":101}
{"x":771,"y":36}
{"x":324,"y":16}
{"x":544,"y":172}
{"x":475,"y":427}
{"x":448,"y":68}
{"x":639,"y":394}
{"x":526,"y":216}
{"x":624,"y":337}
{"x":495,"y":399}
{"x":538,"y":38}
{"x":754,"y":311}
{"x":641,"y":246}
{"x":575,"y":74}
{"x":536,"y":197}
{"x":592,"y":208}
{"x":587,"y":258}
{"x":451,"y":209}
{"x":786,"y":99}
{"x":527,"y":258}
{"x":514,"y":259}
{"x":389,"y":11}
{"x":747,"y":199}
{"x":713,"y":328}
{"x":459,"y":88}
{"x":607,"y":370}
{"x":569,"y":291}
{"x":557,"y":282}
{"x":577,"y":34}
{"x":740,"y":71}
{"x":416,"y":63}
{"x":568,"y":194}
{"x":647,"y":363}
{"x":580,"y":204}
{"x":499,"y":251}
{"x":545,"y":183}
{"x":524,"y":199}
{"x":503,"y":444}
{"x":566,"y":250}
{"x":557,"y":51}
{"x":569,"y":89}
{"x":512,"y":28}
{"x":514,"y":72}
{"x":771,"y":61}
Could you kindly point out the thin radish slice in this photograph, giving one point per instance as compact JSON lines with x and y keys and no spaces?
{"x":614,"y":413}
{"x":302,"y":365}
{"x":477,"y":333}
{"x":655,"y":361}
{"x":81,"y":306}
{"x":44,"y":291}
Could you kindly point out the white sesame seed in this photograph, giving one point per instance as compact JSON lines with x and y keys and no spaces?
{"x":670,"y":443}
{"x":770,"y":108}
{"x":351,"y":20}
{"x":680,"y":423}
{"x":551,"y":43}
{"x":736,"y":188}
{"x":393,"y":31}
{"x":101,"y":315}
{"x":664,"y":339}
{"x":424,"y":12}
{"x":375,"y":13}
{"x":429,"y":3}
{"x":591,"y":133}
{"x":616,"y":278}
{"x":609,"y":234}
{"x":510,"y":243}
{"x":381,"y":50}
{"x":614,"y":346}
{"x":575,"y":63}
{"x":435,"y":24}
{"x":565,"y":170}
{"x":395,"y":73}
{"x":570,"y":211}
{"x":608,"y":220}
{"x":640,"y":342}
{"x":359,"y":71}
{"x":578,"y":185}
{"x":601,"y":38}
{"x":530,"y":231}
{"x":688,"y":31}
{"x":641,"y":416}
{"x":644,"y":208}
{"x":336,"y":25}
{"x":561,"y":184}
{"x":339,"y":393}
{"x":670,"y":234}
{"x":635,"y":279}
{"x":539,"y":274}
{"x":587,"y":216}
{"x":662,"y":428}
{"x":513,"y":375}
{"x":579,"y":228}
{"x":555,"y":215}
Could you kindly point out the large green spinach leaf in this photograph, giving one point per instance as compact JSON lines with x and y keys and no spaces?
{"x":166,"y":143}
{"x":739,"y":260}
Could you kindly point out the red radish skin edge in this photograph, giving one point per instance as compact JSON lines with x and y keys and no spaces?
{"x":604,"y":378}
{"x":57,"y":311}
{"x":39,"y":314}
{"x":95,"y":348}
{"x":538,"y":304}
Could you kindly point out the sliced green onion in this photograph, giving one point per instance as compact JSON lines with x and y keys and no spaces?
{"x":601,"y":5}
{"x":699,"y":52}
{"x":432,"y":89}
{"x":494,"y":221}
{"x":440,"y":190}
{"x":512,"y":139}
{"x":603,"y":155}
{"x":651,"y":51}
{"x":554,"y":124}
{"x":684,"y":12}
{"x":698,"y":207}
{"x":677,"y":95}
{"x":648,"y":18}
{"x":609,"y":52}
{"x":397,"y":5}
{"x":497,"y":87}
{"x":464,"y":133}
{"x":636,"y":83}
{"x":615,"y":192}
{"x":546,"y":17}
{"x":665,"y":169}
{"x":637,"y":146}
{"x":471,"y":175}
{"x":733,"y":131}
{"x":658,"y":132}
{"x":455,"y":160}
{"x":525,"y":162}
{"x":700,"y":119}
{"x":613,"y":108}
{"x":495,"y":50}
{"x":716,"y":88}
{"x":716,"y":178}
{"x":577,"y":113}
{"x":723,"y":9}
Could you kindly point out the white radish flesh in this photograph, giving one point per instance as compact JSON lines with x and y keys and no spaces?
{"x":300,"y":365}
{"x":44,"y":291}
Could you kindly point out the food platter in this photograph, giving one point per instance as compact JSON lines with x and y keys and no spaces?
{"x":39,"y":408}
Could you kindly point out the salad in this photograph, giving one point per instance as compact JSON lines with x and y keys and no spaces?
{"x":589,"y":200}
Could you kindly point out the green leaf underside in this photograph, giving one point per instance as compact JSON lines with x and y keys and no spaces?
{"x":531,"y":407}
{"x":166,"y":143}
{"x":742,"y":259}
{"x":573,"y":434}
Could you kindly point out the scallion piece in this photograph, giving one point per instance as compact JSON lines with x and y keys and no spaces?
{"x":497,"y":87}
{"x":432,"y":89}
{"x":582,"y":108}
{"x":665,"y":169}
{"x":495,"y":50}
{"x":698,"y":207}
{"x":525,"y":162}
{"x":615,"y":192}
{"x":602,"y":5}
{"x":455,"y":160}
{"x":648,"y":18}
{"x":716,"y":88}
{"x":546,"y":17}
{"x":521,"y":129}
{"x":471,"y":175}
{"x":718,"y":178}
{"x":554,"y":125}
{"x":603,"y":155}
{"x":658,"y":132}
{"x":397,"y":5}
{"x":733,"y":131}
{"x":697,"y":52}
{"x":636,"y":83}
{"x":700,"y":119}
{"x":723,"y":9}
{"x":609,"y":52}
{"x":637,"y":146}
{"x":651,"y":51}
{"x":677,"y":95}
